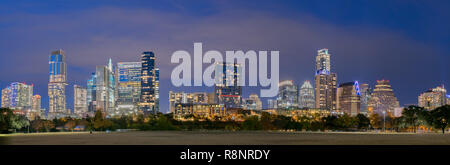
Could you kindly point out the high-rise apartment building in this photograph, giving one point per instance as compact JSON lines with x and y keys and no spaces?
{"x":91,"y":94}
{"x":433,"y":98}
{"x":80,"y":107}
{"x":100,"y":91}
{"x":325,"y":82}
{"x":19,"y":97}
{"x":105,"y":90}
{"x":307,"y":99}
{"x":128,"y":87}
{"x":383,"y":101}
{"x":57,"y":85}
{"x":349,"y":98}
{"x":287,"y":95}
{"x":227,"y":87}
{"x":149,"y":84}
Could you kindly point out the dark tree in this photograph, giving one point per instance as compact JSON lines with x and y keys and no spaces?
{"x":440,"y":117}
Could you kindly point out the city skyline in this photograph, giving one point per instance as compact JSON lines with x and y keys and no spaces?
{"x":411,"y":55}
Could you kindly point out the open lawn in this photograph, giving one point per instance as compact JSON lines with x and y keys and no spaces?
{"x":224,"y":138}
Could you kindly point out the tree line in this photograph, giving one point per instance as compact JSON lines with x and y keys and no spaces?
{"x":412,"y":118}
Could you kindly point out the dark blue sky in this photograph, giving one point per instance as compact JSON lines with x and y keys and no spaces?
{"x":406,"y":42}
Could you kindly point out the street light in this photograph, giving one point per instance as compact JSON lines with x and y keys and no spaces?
{"x":384,"y":121}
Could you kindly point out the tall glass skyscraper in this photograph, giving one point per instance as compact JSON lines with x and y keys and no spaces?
{"x":91,"y":94}
{"x":100,"y":91}
{"x":325,"y":82}
{"x":365,"y":97}
{"x":307,"y":95}
{"x":128,"y":87}
{"x":57,"y":85}
{"x":149,"y":84}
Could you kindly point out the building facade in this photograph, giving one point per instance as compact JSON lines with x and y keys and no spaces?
{"x":287,"y":95}
{"x":148,"y":99}
{"x":203,"y":110}
{"x":227,"y":87}
{"x":128,"y":87}
{"x":307,"y":99}
{"x":186,"y":98}
{"x":325,"y":82}
{"x":80,"y":106}
{"x":57,"y":85}
{"x":19,"y":97}
{"x":365,"y":97}
{"x":36,"y":110}
{"x":100,"y":91}
{"x":349,"y":98}
{"x":382,"y":100}
{"x":325,"y":91}
{"x":252,"y":103}
{"x":433,"y":98}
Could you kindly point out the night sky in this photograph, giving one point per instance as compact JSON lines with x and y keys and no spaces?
{"x":406,"y":42}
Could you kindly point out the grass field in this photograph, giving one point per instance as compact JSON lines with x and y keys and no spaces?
{"x":223,"y":138}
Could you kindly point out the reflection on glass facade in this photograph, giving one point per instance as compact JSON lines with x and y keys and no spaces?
{"x":57,"y":85}
{"x":365,"y":97}
{"x":128,"y":87}
{"x":149,"y":84}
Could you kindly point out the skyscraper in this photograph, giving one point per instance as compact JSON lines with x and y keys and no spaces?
{"x":325,"y":82}
{"x":433,"y":98}
{"x":149,"y":78}
{"x":365,"y":96}
{"x":227,"y":88}
{"x":307,"y":95}
{"x":349,"y":98}
{"x":323,"y":60}
{"x":128,"y":88}
{"x":18,"y":96}
{"x":57,"y":85}
{"x":383,"y":99}
{"x":91,"y":94}
{"x":105,"y":90}
{"x":287,"y":95}
{"x":80,"y":107}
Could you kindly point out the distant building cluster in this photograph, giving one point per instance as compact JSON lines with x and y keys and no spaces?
{"x":131,"y":88}
{"x":19,"y":97}
{"x":350,"y":98}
